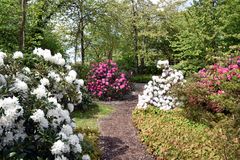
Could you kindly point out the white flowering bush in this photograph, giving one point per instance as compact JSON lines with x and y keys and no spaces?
{"x":157,"y":91}
{"x":35,"y":103}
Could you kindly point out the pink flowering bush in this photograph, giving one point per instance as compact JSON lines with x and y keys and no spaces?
{"x":215,"y":89}
{"x":106,"y":82}
{"x":216,"y":75}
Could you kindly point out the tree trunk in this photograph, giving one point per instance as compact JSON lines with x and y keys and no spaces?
{"x":135,"y":34}
{"x":110,"y":54}
{"x":82,"y":45}
{"x":142,"y":59}
{"x":23,"y":4}
{"x":82,"y":33}
{"x":76,"y":44}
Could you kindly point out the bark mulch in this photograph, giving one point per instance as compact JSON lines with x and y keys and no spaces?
{"x":119,"y":139}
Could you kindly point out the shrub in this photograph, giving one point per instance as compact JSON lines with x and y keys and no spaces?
{"x":169,"y":135}
{"x":106,"y":82}
{"x":157,"y":91}
{"x":212,"y":97}
{"x":141,"y":78}
{"x":215,"y":89}
{"x":82,"y":70}
{"x":35,"y":104}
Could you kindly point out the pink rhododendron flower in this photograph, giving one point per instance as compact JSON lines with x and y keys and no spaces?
{"x":106,"y":82}
{"x":213,"y":77}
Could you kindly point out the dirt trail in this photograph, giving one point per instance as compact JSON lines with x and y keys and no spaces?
{"x":119,"y":140}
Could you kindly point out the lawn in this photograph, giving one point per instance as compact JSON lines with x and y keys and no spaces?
{"x":87,"y":123}
{"x":88,"y":119}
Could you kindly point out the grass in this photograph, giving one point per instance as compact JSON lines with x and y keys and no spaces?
{"x":86,"y":123}
{"x":170,"y":135}
{"x":88,"y":119}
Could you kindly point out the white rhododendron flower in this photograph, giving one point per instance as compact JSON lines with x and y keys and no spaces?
{"x":41,"y":113}
{"x":20,"y":86}
{"x":8,"y":121}
{"x":61,"y":158}
{"x":67,"y":130}
{"x":70,"y":107}
{"x":54,"y":75}
{"x":79,"y":82}
{"x":156,"y":92}
{"x":40,"y":92}
{"x":80,"y":136}
{"x":46,"y":54}
{"x":39,"y":117}
{"x":26,"y":70}
{"x":77,"y":148}
{"x":44,"y":82}
{"x":86,"y":157}
{"x":17,"y":55}
{"x":72,"y":75}
{"x":59,"y":148}
{"x":68,"y":67}
{"x":2,"y":56}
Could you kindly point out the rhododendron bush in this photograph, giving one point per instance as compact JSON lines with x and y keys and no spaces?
{"x":215,"y":87}
{"x":106,"y":82}
{"x":35,"y":106}
{"x":157,"y":91}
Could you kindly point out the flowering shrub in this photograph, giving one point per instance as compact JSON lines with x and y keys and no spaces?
{"x":214,"y":85}
{"x":35,"y":106}
{"x":106,"y":82}
{"x":156,"y":92}
{"x":212,"y":95}
{"x":213,"y":77}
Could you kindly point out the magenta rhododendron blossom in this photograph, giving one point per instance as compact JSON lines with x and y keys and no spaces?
{"x":213,"y":77}
{"x":106,"y":82}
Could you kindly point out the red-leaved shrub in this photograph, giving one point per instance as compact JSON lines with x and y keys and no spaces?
{"x":106,"y":82}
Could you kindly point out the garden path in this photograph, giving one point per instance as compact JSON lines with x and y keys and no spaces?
{"x":119,"y":139}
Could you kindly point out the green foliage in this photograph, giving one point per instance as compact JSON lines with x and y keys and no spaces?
{"x":51,"y":42}
{"x":9,"y":16}
{"x":91,"y":142}
{"x":145,"y":78}
{"x":169,"y":135}
{"x":205,"y":32}
{"x":81,"y":69}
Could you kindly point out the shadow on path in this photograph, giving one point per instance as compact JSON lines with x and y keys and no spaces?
{"x":113,"y":147}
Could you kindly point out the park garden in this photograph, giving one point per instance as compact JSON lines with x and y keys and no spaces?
{"x":119,"y":79}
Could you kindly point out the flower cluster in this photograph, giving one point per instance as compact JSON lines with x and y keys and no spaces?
{"x":156,"y":92}
{"x":46,"y":54}
{"x":35,"y":106}
{"x":106,"y":82}
{"x":213,"y":77}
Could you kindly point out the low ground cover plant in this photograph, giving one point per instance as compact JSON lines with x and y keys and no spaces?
{"x":170,"y":135}
{"x":36,"y":99}
{"x":106,"y":82}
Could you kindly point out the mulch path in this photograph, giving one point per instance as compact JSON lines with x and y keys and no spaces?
{"x":119,"y":139}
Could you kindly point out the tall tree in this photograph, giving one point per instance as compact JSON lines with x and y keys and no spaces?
{"x":135,"y":32}
{"x":23,"y":4}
